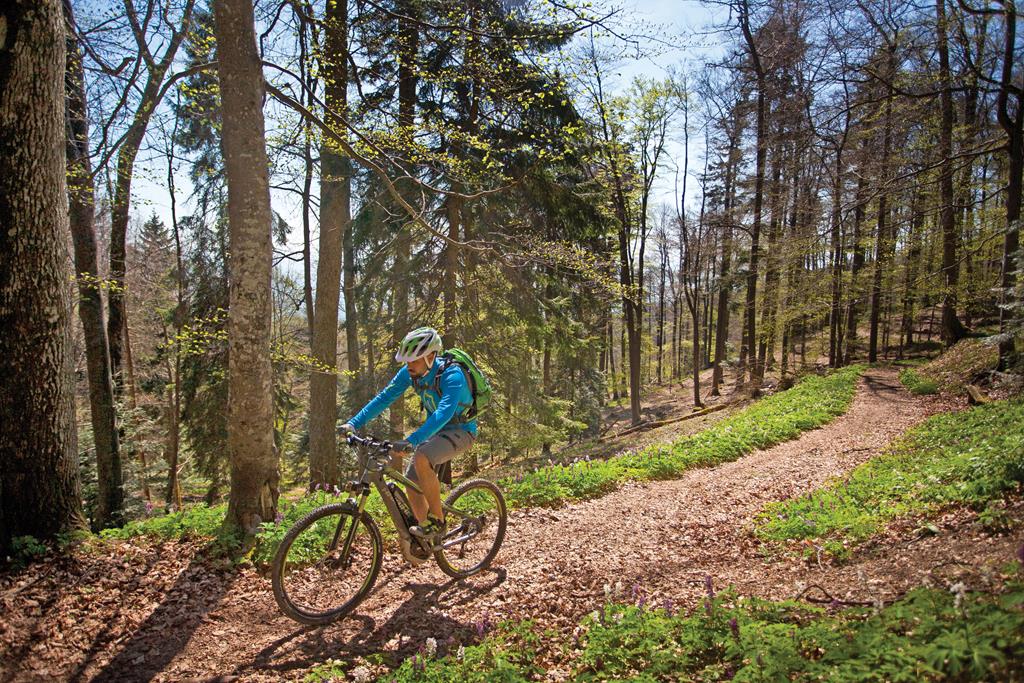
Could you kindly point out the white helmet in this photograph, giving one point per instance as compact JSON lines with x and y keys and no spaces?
{"x":418,"y":343}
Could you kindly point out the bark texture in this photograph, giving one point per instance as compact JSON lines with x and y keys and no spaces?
{"x":39,"y":483}
{"x":335,"y":220}
{"x":254,"y":462}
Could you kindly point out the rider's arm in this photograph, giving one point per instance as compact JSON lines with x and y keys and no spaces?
{"x":388,"y":395}
{"x":453,"y":386}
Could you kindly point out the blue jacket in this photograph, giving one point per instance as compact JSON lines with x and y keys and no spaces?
{"x":444,"y":410}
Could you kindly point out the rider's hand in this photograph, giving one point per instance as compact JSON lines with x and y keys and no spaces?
{"x":346,"y":429}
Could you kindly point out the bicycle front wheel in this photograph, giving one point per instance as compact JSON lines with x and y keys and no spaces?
{"x":476,"y":528}
{"x":326,"y":564}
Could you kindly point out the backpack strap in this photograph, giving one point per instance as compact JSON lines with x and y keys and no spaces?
{"x":448,"y":360}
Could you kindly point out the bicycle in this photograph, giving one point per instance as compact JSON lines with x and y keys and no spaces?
{"x":333,"y":555}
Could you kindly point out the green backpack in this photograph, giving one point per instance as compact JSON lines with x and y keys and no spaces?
{"x":478,"y":384}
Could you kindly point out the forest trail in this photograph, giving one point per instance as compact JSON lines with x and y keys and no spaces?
{"x":658,"y":539}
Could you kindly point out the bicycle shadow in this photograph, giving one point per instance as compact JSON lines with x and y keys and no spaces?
{"x":424,"y":615}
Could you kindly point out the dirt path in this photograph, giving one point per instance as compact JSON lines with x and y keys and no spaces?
{"x":661,"y":539}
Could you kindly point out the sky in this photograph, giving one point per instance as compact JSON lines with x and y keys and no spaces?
{"x":681,"y":40}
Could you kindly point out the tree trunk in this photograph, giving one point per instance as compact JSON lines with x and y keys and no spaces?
{"x":110,"y":497}
{"x":254,"y":459}
{"x":835,"y":339}
{"x":39,"y":484}
{"x":755,"y":369}
{"x":724,"y":291}
{"x":408,"y":49}
{"x":952,"y":329}
{"x":855,"y":267}
{"x":663,"y":251}
{"x":335,"y":216}
{"x":883,"y":244}
{"x":910,"y":277}
{"x":770,"y":303}
{"x":1013,"y":126}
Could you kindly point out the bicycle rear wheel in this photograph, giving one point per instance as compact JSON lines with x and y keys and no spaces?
{"x":326,"y":564}
{"x":474,"y":536}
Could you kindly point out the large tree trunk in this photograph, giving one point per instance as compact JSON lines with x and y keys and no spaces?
{"x":254,"y":460}
{"x":110,"y":498}
{"x":883,"y":244}
{"x":952,"y":329}
{"x":335,"y":216}
{"x":39,"y":484}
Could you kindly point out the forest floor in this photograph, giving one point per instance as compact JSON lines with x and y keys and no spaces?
{"x":131,"y":611}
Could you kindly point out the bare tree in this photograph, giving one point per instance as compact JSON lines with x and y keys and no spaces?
{"x":110,"y":498}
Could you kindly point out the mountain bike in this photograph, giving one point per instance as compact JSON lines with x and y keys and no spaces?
{"x":329,"y":560}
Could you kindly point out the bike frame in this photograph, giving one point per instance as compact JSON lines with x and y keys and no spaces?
{"x":375,"y":463}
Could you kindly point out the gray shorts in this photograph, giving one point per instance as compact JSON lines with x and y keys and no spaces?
{"x":441,"y":448}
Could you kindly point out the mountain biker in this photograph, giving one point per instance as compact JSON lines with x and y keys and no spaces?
{"x":446,"y":431}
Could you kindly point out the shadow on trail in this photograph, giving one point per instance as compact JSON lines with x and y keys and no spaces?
{"x":422,"y":616}
{"x":163,"y":635}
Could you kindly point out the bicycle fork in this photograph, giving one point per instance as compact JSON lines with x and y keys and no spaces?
{"x":344,"y":559}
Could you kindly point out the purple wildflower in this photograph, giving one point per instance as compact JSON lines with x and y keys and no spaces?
{"x":734,"y":626}
{"x":668,"y":606}
{"x":279,"y":517}
{"x":1020,"y":553}
{"x":708,"y":586}
{"x":149,"y":507}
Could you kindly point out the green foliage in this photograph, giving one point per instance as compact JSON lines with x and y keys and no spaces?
{"x":918,"y":384}
{"x":780,"y":417}
{"x":290,"y":512}
{"x":198,"y":521}
{"x":974,"y":457}
{"x":928,"y":635}
{"x":25,"y":550}
{"x":506,"y":656}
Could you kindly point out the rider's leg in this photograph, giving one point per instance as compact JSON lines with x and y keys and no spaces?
{"x":418,"y":503}
{"x":438,"y":449}
{"x":430,"y":485}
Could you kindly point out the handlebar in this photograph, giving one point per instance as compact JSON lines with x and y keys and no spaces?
{"x":353,"y":439}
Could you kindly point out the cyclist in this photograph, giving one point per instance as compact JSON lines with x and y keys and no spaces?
{"x":446,"y":396}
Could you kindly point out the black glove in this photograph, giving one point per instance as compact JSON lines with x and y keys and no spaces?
{"x":401,"y":446}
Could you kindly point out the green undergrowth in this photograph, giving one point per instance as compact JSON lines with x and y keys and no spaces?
{"x":918,"y":384}
{"x":196,"y":521}
{"x":507,"y":655}
{"x":928,"y":635}
{"x":813,"y":402}
{"x":973,"y":458}
{"x":956,"y":367}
